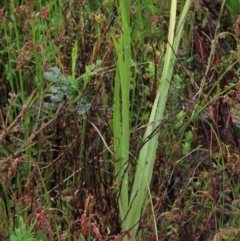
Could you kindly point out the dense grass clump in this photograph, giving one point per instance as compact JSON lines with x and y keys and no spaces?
{"x":119,"y":120}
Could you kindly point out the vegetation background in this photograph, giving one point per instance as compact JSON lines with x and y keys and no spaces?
{"x":119,"y":120}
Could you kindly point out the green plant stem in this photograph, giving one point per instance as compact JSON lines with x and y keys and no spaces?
{"x":121,"y":121}
{"x":146,"y":160}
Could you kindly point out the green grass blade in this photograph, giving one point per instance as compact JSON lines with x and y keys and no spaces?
{"x":147,"y":155}
{"x":121,"y":108}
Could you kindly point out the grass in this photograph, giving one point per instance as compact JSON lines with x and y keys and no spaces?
{"x":119,"y":121}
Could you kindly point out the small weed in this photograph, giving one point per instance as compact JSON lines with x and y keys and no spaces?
{"x":23,"y":233}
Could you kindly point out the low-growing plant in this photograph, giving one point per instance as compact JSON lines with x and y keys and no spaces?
{"x":23,"y":232}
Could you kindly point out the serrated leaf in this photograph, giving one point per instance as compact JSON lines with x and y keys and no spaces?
{"x":50,"y":77}
{"x":64,"y":87}
{"x":53,"y":89}
{"x":73,"y":82}
{"x":56,"y":98}
{"x":54,"y":75}
{"x":83,"y":109}
{"x":55,"y":70}
{"x":48,"y":106}
{"x":83,"y":106}
{"x":22,"y":233}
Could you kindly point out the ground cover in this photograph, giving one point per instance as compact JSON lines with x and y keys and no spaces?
{"x":119,"y":121}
